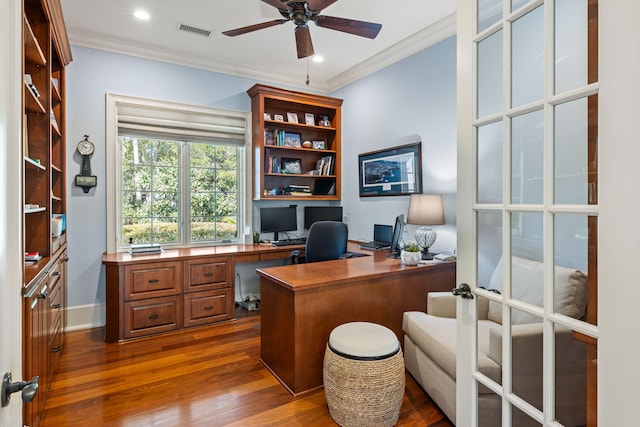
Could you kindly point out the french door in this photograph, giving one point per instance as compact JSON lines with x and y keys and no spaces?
{"x":528,"y":210}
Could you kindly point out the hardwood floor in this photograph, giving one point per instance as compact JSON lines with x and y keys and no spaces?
{"x":208,"y":376}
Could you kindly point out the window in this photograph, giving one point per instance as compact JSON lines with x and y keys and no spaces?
{"x":179,"y":174}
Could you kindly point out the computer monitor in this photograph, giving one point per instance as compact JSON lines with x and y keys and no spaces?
{"x":321,"y":213}
{"x":277,"y":220}
{"x":398,"y":228}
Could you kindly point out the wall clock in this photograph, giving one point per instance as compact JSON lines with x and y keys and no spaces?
{"x":85,"y":179}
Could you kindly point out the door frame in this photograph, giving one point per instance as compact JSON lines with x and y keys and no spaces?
{"x":11,"y":164}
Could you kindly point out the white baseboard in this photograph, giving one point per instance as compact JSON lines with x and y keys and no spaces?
{"x":85,"y":317}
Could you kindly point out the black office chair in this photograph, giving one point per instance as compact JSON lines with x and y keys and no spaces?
{"x":326,"y":240}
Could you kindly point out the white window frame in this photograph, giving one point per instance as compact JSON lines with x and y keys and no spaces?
{"x":114,"y":167}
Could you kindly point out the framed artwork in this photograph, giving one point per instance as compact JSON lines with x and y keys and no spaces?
{"x":394,"y":171}
{"x":319,"y":145}
{"x":278,"y":117}
{"x":292,"y":140}
{"x":291,"y":166}
{"x":309,"y":119}
{"x":267,"y":116}
{"x":292,"y":117}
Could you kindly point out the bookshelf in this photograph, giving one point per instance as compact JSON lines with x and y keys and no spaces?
{"x":46,"y":52}
{"x":297,"y":145}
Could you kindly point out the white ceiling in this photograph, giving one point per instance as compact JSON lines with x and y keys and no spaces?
{"x":268,"y":54}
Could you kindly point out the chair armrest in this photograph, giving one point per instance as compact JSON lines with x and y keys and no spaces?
{"x":441,"y":304}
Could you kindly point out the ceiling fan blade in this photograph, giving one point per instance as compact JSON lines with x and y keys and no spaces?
{"x":317,"y":5}
{"x":351,"y":26}
{"x":303,"y":41}
{"x":250,"y":28}
{"x":277,"y":4}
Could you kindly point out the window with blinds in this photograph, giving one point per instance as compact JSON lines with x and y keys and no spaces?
{"x":179,"y":173}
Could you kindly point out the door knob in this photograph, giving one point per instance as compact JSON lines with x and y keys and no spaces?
{"x":29,"y":389}
{"x":463,"y":290}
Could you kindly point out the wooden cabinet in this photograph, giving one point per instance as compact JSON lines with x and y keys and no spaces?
{"x":283,"y":167}
{"x":43,"y":331}
{"x":150,"y":298}
{"x":46,"y":52}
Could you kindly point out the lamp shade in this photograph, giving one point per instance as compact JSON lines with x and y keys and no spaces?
{"x":425,"y":209}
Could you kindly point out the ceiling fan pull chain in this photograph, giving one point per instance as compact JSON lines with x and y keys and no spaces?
{"x":308,"y":81}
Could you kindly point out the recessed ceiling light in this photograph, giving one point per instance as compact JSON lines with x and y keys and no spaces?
{"x":318,"y":58}
{"x":142,"y":15}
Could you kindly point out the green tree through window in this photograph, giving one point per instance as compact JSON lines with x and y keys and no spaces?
{"x":168,"y":200}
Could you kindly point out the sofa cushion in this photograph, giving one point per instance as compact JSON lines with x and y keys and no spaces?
{"x":436,"y":337}
{"x":570,"y":290}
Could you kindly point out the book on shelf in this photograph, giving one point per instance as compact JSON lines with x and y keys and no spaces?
{"x":32,"y":256}
{"x":29,"y":82}
{"x":297,"y":190}
{"x":325,"y":165}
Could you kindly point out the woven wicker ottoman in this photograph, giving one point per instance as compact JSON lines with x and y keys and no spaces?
{"x":363,"y":375}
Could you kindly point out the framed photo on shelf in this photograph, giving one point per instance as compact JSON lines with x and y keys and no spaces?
{"x":291,"y":166}
{"x":309,"y":119}
{"x":292,"y":140}
{"x":319,"y":145}
{"x":394,"y":171}
{"x":278,"y":117}
{"x":267,"y":116}
{"x":292,"y":117}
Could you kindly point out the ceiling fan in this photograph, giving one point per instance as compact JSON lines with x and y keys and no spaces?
{"x":300,"y":13}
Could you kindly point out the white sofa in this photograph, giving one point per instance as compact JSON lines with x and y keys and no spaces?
{"x":430,"y":346}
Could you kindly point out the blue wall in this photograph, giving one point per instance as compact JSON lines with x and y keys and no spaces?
{"x":413,"y":99}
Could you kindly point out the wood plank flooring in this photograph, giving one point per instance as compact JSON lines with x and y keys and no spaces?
{"x":208,"y":376}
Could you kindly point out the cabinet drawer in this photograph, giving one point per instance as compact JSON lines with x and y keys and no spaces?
{"x":153,"y":280}
{"x":207,"y":307}
{"x":207,"y":274}
{"x":152,"y":316}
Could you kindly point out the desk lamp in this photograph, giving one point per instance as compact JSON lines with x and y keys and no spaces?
{"x":425,"y":210}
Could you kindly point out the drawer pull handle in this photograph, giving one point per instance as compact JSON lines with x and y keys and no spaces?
{"x":55,"y":273}
{"x":56,"y":349}
{"x":154,"y":317}
{"x":56,"y":306}
{"x":43,"y":295}
{"x":208,"y":308}
{"x":208,"y":274}
{"x":154,"y":280}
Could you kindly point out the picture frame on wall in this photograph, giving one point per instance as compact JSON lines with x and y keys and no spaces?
{"x":395,"y":171}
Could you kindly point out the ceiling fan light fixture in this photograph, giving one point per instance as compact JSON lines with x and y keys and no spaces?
{"x":318,"y":58}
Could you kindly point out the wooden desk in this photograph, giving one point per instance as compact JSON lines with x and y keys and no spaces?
{"x":178,"y":288}
{"x":301,"y":304}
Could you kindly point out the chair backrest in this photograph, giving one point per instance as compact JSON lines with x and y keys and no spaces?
{"x":326,"y":240}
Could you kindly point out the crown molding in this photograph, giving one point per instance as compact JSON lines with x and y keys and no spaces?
{"x":427,"y":37}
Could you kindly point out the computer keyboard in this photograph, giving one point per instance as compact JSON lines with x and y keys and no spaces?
{"x":289,"y":242}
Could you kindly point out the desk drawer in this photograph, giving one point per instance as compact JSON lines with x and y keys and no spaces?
{"x":201,"y":308}
{"x":54,"y":309}
{"x":152,"y":316}
{"x":153,"y":280}
{"x":207,"y":274}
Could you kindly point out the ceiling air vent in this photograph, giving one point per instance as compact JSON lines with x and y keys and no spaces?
{"x":193,"y":30}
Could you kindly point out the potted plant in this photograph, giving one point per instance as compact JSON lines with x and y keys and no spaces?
{"x":410,"y":254}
